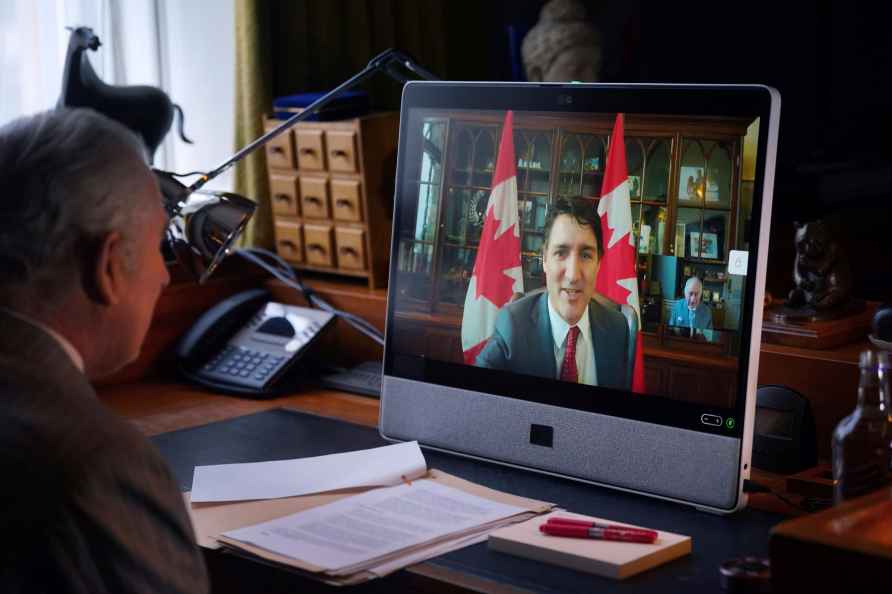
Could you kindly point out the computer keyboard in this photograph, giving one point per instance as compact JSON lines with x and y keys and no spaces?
{"x":363,"y":379}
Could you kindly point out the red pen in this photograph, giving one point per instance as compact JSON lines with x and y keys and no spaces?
{"x":557,"y":521}
{"x":596,"y":533}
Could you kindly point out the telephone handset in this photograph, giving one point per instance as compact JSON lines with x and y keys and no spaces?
{"x":245,"y":344}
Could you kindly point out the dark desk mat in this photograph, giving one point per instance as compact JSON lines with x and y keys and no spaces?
{"x":283,"y":434}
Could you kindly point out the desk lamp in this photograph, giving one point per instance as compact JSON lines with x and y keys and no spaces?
{"x":204,"y":225}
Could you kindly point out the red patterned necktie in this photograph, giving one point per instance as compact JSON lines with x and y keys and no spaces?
{"x":568,"y":367}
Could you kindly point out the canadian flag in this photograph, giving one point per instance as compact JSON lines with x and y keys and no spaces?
{"x":497,"y":270}
{"x":616,"y":276}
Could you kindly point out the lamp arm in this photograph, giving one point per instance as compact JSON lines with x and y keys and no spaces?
{"x":385,"y":61}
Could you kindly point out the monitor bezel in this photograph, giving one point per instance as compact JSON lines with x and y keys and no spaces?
{"x":659,"y":99}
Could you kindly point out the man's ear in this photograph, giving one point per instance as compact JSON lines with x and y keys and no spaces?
{"x":108,"y":272}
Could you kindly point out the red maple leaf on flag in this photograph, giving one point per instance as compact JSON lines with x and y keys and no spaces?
{"x":498,"y":254}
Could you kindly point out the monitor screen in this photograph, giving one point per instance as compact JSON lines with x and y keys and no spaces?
{"x":590,"y":249}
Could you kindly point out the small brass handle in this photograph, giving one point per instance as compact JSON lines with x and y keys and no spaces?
{"x":340,"y":153}
{"x":313,"y":200}
{"x":349,"y":251}
{"x":307,"y":151}
{"x":277,"y":149}
{"x":343,"y":202}
{"x":283,"y":197}
{"x":288,"y":245}
{"x":315,"y":247}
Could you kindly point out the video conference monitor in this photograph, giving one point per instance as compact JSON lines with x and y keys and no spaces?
{"x":577,"y":278}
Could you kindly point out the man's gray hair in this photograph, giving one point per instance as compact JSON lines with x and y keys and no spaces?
{"x":689,"y":285}
{"x":68,"y":177}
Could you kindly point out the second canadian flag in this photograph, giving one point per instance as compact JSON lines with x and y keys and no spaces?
{"x":616,"y":276}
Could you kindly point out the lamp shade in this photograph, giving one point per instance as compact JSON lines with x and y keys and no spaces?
{"x":203,"y":224}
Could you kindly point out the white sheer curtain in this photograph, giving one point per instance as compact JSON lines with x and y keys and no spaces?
{"x":185,"y":48}
{"x":34,"y":40}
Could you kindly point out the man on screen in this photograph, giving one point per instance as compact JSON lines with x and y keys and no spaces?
{"x":691,"y":312}
{"x":564,"y":332}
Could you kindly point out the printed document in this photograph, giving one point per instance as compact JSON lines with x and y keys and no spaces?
{"x":383,"y":466}
{"x":357,"y":531}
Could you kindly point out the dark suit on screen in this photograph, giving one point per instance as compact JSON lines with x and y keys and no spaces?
{"x":89,"y":505}
{"x":522,"y":341}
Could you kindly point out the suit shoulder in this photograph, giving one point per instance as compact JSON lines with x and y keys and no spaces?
{"x":611,"y":313}
{"x":521,"y":308}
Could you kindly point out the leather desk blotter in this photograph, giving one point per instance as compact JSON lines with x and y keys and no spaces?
{"x":282,"y":434}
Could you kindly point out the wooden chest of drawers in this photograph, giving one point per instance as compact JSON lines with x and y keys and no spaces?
{"x":331,"y":189}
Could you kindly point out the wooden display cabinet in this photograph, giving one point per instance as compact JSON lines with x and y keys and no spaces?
{"x":331,"y":186}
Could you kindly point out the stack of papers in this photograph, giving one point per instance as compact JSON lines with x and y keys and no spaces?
{"x":358,"y":531}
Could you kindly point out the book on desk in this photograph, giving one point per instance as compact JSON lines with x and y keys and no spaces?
{"x":617,"y":560}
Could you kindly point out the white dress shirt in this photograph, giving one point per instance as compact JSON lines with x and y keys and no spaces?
{"x":585,"y":354}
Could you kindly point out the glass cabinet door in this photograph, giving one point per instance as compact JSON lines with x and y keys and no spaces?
{"x":534,"y":150}
{"x":648,"y":162}
{"x":705,"y":173}
{"x":474,"y":147}
{"x":581,"y":164}
{"x":417,"y":239}
{"x":705,"y":190}
{"x":475,"y":151}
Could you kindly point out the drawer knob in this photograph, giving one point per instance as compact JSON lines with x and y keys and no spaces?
{"x":340,"y":153}
{"x":350,"y":251}
{"x":315,"y":247}
{"x":283,"y":197}
{"x":288,"y":245}
{"x":307,"y":151}
{"x":344,"y":203}
{"x":313,"y":200}
{"x":277,"y":149}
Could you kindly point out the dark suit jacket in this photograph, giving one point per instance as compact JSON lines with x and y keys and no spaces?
{"x":89,"y":505}
{"x":522,"y":341}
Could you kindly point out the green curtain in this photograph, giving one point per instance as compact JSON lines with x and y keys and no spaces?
{"x":296,"y":46}
{"x":253,"y":96}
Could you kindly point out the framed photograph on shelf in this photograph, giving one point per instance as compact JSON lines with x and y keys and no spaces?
{"x":704,"y":245}
{"x":691,"y":184}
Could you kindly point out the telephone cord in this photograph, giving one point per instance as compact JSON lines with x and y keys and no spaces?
{"x":286,"y":274}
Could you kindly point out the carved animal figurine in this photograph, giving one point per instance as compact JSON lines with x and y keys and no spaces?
{"x":821,"y":274}
{"x":146,"y":110}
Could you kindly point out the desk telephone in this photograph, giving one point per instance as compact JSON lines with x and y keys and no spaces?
{"x":247,"y":343}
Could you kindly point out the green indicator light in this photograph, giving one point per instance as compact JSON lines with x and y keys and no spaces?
{"x":730,"y":423}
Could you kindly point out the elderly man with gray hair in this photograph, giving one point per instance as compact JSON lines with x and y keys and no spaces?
{"x":691,"y":312}
{"x":90,"y":505}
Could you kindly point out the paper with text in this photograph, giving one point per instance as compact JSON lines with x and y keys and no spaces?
{"x":384,"y":466}
{"x":366,"y":527}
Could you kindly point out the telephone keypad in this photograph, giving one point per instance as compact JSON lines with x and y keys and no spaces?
{"x":240,"y":362}
{"x":259,"y":352}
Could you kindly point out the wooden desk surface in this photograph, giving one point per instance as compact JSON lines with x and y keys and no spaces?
{"x":158,"y":406}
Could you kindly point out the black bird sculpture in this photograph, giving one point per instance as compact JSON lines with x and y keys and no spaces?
{"x":146,"y":110}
